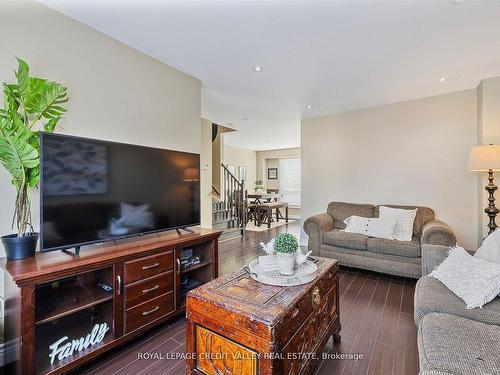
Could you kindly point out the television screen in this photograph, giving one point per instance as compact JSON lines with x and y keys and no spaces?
{"x":94,"y":191}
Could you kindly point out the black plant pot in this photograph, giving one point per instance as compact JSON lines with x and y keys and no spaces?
{"x":20,"y":247}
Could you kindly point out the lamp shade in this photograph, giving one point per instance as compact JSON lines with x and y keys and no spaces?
{"x":484,"y":158}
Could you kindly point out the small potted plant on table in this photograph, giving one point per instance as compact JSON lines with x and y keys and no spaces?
{"x":30,"y":105}
{"x":259,"y":186}
{"x":285,"y":247}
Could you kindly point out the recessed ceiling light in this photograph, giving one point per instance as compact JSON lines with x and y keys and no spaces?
{"x":442,"y":79}
{"x":244,"y":118}
{"x":458,"y":2}
{"x":257,"y":68}
{"x":309,"y":106}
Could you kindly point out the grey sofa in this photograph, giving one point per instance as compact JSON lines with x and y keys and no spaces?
{"x":451,"y":338}
{"x":356,"y":250}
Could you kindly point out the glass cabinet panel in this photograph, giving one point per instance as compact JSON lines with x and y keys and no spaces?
{"x":74,"y":316}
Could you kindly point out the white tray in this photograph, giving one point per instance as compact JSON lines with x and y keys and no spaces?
{"x":303,"y":274}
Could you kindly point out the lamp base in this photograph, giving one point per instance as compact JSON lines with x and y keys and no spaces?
{"x":491,"y":210}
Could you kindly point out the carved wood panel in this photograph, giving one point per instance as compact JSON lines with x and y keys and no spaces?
{"x":241,"y":314}
{"x":309,"y":335}
{"x":217,"y":355}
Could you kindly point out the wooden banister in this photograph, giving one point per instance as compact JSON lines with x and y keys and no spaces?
{"x":234,"y":197}
{"x":214,"y":190}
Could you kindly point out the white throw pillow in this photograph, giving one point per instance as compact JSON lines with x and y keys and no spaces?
{"x":473,"y":279}
{"x":403,"y":230}
{"x":372,"y":227}
{"x":490,"y":249}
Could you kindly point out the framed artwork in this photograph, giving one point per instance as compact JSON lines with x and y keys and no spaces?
{"x":272,"y":173}
{"x":242,"y":171}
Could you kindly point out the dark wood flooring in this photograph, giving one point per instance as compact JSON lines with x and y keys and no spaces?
{"x":376,"y":314}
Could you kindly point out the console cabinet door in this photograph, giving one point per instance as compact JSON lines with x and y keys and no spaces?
{"x":118,"y":299}
{"x":75,"y":315}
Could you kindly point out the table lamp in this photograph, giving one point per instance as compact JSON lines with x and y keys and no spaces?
{"x":487,"y":159}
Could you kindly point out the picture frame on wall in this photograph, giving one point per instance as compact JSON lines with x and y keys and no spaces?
{"x":272,"y":173}
{"x":242,"y":173}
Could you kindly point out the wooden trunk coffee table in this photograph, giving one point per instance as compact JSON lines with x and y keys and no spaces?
{"x":238,"y":326}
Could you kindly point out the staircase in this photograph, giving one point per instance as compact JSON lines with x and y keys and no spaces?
{"x":229,"y":209}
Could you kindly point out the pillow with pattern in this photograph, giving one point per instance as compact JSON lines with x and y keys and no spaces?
{"x":403,"y":231}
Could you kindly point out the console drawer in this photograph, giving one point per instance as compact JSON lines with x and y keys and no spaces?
{"x":139,"y":269}
{"x":146,"y":312}
{"x":151,"y":287}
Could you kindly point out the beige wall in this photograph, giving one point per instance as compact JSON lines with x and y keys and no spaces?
{"x":115,"y":92}
{"x":269,"y":183}
{"x":242,"y":157}
{"x":273,"y":154}
{"x":216,"y":161}
{"x":413,"y":152}
{"x":206,"y":173}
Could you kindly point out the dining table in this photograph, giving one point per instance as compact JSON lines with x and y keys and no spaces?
{"x":261,"y":206}
{"x":265,"y":197}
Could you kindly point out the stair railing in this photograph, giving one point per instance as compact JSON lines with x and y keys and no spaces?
{"x":214,"y":190}
{"x":234,"y":198}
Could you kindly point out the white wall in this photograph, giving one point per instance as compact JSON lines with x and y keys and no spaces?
{"x":413,"y":152}
{"x":115,"y":92}
{"x":206,"y":173}
{"x":242,"y":157}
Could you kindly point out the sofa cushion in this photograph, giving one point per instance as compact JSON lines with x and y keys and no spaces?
{"x":431,"y":295}
{"x":410,"y":249}
{"x":341,"y":211}
{"x":457,"y":345}
{"x":343,"y":239}
{"x":384,"y":263}
{"x":424,"y":214}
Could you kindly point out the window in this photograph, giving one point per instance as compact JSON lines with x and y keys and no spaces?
{"x":289,"y":178}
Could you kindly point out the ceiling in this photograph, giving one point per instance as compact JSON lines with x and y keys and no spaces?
{"x":334,"y":56}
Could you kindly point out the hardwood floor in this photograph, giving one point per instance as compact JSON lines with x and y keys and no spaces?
{"x":376,"y":314}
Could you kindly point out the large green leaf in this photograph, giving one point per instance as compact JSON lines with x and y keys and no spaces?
{"x":16,"y":154}
{"x":10,"y":97}
{"x":22,"y":75}
{"x":26,"y":102}
{"x":51,"y":124}
{"x":34,"y":176}
{"x":43,"y":99}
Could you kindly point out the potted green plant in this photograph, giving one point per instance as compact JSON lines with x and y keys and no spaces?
{"x":285,"y":247}
{"x":31,"y":105}
{"x":259,"y":185}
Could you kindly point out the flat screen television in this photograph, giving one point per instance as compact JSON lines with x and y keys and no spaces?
{"x":95,"y":191}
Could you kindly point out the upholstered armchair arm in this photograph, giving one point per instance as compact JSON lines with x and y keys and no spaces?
{"x":433,"y":255}
{"x":315,"y":227}
{"x":436,"y":232}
